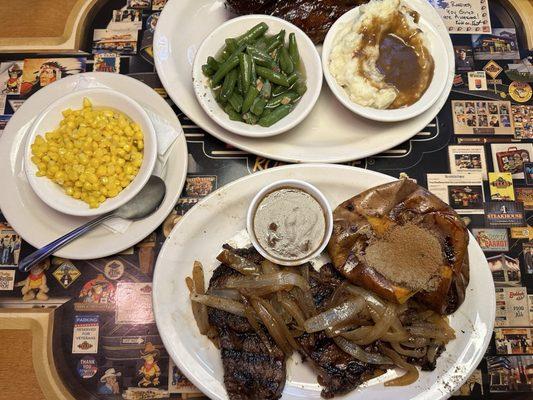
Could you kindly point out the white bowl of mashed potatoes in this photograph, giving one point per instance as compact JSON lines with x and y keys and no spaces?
{"x":90,"y":152}
{"x":386,"y":60}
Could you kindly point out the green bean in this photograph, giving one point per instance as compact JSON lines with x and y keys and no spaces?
{"x":260,"y":57}
{"x":224,"y":55}
{"x":276,"y":115}
{"x":250,"y":118}
{"x":285,"y":61}
{"x":266,"y":90}
{"x":236,"y":101}
{"x":207,"y":70}
{"x":300,"y":88}
{"x":274,"y":45}
{"x":293,"y":50}
{"x":229,"y":85}
{"x":267,"y":111}
{"x":259,"y":106}
{"x":231,"y":44}
{"x":239,"y":85}
{"x":213,"y":64}
{"x":253,"y":34}
{"x":245,"y":61}
{"x":233,"y":115}
{"x":254,"y":74}
{"x":249,"y":98}
{"x":292,"y":81}
{"x":224,"y":69}
{"x":272,"y":76}
{"x":283,"y":98}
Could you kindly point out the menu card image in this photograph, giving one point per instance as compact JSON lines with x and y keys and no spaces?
{"x":482,"y":118}
{"x":511,"y":307}
{"x":463,"y":192}
{"x":467,"y":159}
{"x":465,"y":16}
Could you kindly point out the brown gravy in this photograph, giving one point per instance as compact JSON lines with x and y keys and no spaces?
{"x":403,"y":60}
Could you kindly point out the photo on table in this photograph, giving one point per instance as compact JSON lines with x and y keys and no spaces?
{"x":464,"y":58}
{"x":505,"y":270}
{"x":523,"y":121}
{"x":11,"y":77}
{"x":511,"y":157}
{"x":467,"y":159}
{"x":40,"y":72}
{"x":509,"y":373}
{"x":502,"y":44}
{"x":482,"y":117}
{"x":513,"y":340}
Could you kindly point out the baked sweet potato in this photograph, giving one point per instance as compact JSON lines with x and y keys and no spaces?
{"x":382,"y":233}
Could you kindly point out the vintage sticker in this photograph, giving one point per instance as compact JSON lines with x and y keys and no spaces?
{"x":510,"y":157}
{"x":520,"y":92}
{"x":527,"y":251}
{"x":40,"y":72}
{"x":528,"y":173}
{"x":511,"y":307}
{"x":4,"y":119}
{"x":464,"y":17}
{"x":513,"y":340}
{"x":10,"y":77}
{"x":157,"y":5}
{"x":505,"y":270}
{"x":134,"y":303}
{"x":509,"y":373}
{"x":523,"y":121}
{"x":477,"y":80}
{"x":109,"y":382}
{"x":85,"y":335}
{"x":126,"y":19}
{"x":87,"y":367}
{"x":473,"y":385}
{"x":501,"y":186}
{"x":137,"y":393}
{"x":492,"y":69}
{"x":115,"y":41}
{"x":10,"y":243}
{"x":15,"y":104}
{"x":492,"y":239}
{"x":96,"y":295}
{"x":500,"y":45}
{"x":458,"y":80}
{"x":114,"y":270}
{"x":7,"y":279}
{"x":106,"y":62}
{"x":521,"y":232}
{"x":200,"y":186}
{"x":467,"y":159}
{"x":65,"y":273}
{"x":482,"y":117}
{"x":140,"y":4}
{"x":151,"y":22}
{"x":525,"y":196}
{"x":463,"y":192}
{"x":177,"y":382}
{"x":464,"y":58}
{"x":500,"y":214}
{"x":521,"y":71}
{"x":3,"y":100}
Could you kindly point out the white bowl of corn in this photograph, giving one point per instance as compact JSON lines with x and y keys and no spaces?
{"x":90,"y":152}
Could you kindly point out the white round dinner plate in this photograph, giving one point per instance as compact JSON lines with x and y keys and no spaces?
{"x":200,"y":234}
{"x":37,"y":223}
{"x":330,"y":133}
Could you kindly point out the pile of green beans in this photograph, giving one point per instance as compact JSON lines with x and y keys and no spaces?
{"x":257,"y":78}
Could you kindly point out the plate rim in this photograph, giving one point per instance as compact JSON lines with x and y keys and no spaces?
{"x":159,"y":316}
{"x":161,"y":46}
{"x":7,"y":141}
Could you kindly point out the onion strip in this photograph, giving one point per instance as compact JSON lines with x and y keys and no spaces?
{"x":358,"y":353}
{"x":271,"y":325}
{"x":335,"y":316}
{"x":238,"y":263}
{"x":279,"y":321}
{"x":220,"y":303}
{"x":406,"y":379}
{"x":268,"y":283}
{"x":196,"y":285}
{"x":416,"y":353}
{"x":292,"y":308}
{"x":370,"y":298}
{"x":372,"y":333}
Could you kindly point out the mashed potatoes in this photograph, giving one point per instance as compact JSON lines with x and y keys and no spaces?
{"x":368,"y":78}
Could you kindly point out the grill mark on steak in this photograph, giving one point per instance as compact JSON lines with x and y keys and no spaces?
{"x":250,"y":371}
{"x":338,"y":372}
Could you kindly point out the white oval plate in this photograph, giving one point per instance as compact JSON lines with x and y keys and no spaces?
{"x":200,"y":234}
{"x":39,"y":224}
{"x":331,"y":133}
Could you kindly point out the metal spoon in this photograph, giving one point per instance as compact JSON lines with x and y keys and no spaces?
{"x":141,"y":206}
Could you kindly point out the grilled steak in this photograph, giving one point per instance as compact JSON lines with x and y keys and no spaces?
{"x":314,"y":17}
{"x":250,"y":370}
{"x":337,"y":371}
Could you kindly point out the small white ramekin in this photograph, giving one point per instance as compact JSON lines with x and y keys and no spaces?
{"x":297,"y":184}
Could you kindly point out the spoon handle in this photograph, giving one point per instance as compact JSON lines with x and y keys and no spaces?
{"x":52,"y":247}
